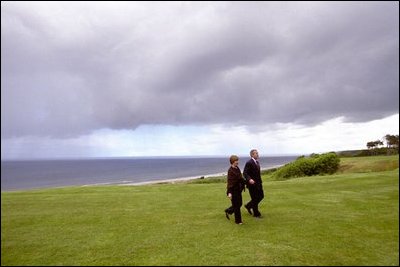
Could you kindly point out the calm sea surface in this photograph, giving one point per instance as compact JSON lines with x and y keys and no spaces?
{"x":17,"y":175}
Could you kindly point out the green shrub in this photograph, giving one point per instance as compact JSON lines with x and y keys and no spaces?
{"x":316,"y":164}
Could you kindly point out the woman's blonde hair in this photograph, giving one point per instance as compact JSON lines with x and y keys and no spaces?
{"x":233,"y":158}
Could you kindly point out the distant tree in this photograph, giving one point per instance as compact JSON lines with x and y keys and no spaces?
{"x":392,"y":141}
{"x":387,"y":139}
{"x":374,"y":144}
{"x":375,"y":147}
{"x":378,"y":143}
{"x":371,"y":145}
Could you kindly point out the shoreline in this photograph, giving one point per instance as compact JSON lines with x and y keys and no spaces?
{"x":21,"y":175}
{"x":130,"y":183}
{"x":174,"y":180}
{"x":182,"y":179}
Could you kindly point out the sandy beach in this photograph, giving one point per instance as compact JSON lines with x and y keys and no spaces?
{"x":182,"y":179}
{"x":172,"y":181}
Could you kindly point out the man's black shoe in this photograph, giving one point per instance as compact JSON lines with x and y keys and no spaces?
{"x":248,"y":209}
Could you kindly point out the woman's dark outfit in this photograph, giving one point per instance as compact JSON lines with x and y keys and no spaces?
{"x":235,"y":186}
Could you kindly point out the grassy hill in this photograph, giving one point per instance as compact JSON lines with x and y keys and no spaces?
{"x":369,"y":164}
{"x":350,"y":218}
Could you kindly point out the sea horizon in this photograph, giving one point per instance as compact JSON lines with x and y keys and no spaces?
{"x":241,"y":156}
{"x":43,"y":173}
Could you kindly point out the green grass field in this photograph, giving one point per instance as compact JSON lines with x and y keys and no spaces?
{"x":351,"y":218}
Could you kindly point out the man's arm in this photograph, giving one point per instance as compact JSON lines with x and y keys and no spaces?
{"x":246,"y":175}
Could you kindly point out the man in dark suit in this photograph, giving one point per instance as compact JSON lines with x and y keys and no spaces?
{"x":252,"y":174}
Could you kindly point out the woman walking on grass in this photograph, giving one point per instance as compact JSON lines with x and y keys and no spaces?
{"x":235,"y":186}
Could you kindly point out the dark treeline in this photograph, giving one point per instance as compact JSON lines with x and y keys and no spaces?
{"x":388,"y":145}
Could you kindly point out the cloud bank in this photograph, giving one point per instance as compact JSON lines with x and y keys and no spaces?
{"x":69,"y":69}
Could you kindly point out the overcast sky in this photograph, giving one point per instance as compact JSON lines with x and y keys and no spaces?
{"x":196,"y":78}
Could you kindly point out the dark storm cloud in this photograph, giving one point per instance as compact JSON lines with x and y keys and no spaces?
{"x":68,"y":69}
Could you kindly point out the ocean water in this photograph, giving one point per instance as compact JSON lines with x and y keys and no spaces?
{"x":19,"y":175}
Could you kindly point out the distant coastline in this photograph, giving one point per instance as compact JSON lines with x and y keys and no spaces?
{"x":34,"y":174}
{"x":183,"y":179}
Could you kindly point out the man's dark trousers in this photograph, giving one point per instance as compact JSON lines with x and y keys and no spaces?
{"x":256,"y":194}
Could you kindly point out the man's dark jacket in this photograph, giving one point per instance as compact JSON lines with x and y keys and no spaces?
{"x":252,"y":171}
